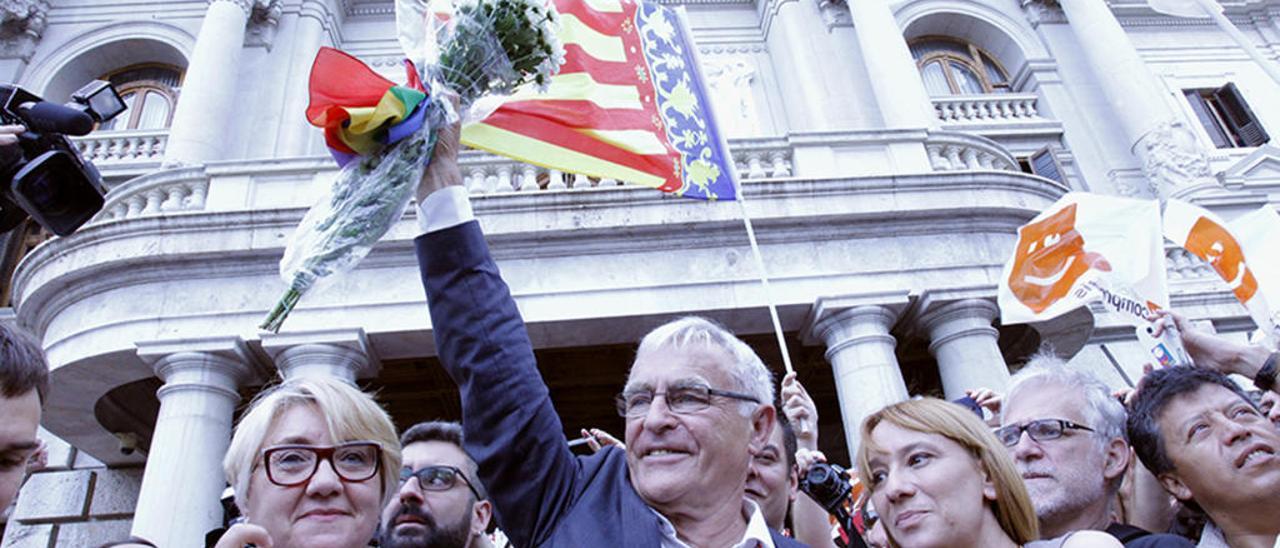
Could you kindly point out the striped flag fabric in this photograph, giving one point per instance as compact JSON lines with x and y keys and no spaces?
{"x":630,"y":103}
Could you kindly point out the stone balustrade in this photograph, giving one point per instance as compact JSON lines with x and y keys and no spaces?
{"x":117,"y":147}
{"x":185,"y":189}
{"x":987,"y":109}
{"x":1182,"y":265}
{"x":954,"y":151}
{"x":168,"y":191}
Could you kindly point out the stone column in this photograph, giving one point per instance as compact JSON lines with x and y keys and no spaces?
{"x":179,"y":499}
{"x":964,"y":343}
{"x":340,"y":353}
{"x":308,"y":35}
{"x":900,"y":94}
{"x":207,"y":101}
{"x":861,"y":352}
{"x":1173,"y":160}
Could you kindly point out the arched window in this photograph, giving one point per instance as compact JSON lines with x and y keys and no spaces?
{"x":951,"y":67}
{"x":150,"y":92}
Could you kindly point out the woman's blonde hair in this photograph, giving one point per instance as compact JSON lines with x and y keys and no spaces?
{"x":349,"y":413}
{"x":1012,"y":507}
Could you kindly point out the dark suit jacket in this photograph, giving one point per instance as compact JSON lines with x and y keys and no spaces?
{"x":544,"y":495}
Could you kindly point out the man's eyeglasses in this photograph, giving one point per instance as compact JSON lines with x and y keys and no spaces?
{"x":681,"y":399}
{"x":437,"y":478}
{"x":290,"y":465}
{"x":1038,"y":430}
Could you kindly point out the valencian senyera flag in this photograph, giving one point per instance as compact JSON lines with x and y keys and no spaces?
{"x":629,"y":104}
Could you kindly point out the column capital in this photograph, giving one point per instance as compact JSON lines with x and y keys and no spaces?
{"x":222,"y":364}
{"x":827,"y":313}
{"x":951,"y":320}
{"x":249,"y":6}
{"x":342,"y":353}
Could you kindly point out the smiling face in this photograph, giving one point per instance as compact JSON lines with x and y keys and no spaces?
{"x":773,"y":481}
{"x":695,"y":461}
{"x":1223,"y":453}
{"x":929,"y":490}
{"x":1213,"y":243}
{"x":1050,"y":257}
{"x":418,"y":517}
{"x":325,"y":511}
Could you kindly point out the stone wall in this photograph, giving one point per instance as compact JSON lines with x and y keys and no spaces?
{"x":74,"y":501}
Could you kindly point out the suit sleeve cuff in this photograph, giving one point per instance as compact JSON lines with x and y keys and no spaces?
{"x":444,"y":208}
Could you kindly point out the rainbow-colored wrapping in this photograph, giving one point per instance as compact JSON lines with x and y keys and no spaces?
{"x":360,"y":110}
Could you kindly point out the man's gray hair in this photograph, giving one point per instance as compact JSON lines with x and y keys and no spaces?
{"x":1103,"y":412}
{"x":747,"y":369}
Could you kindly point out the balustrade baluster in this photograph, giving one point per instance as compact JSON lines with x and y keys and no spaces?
{"x":555,"y":180}
{"x":504,"y":178}
{"x":529,"y":178}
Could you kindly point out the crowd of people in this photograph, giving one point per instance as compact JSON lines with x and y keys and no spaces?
{"x":713,"y":453}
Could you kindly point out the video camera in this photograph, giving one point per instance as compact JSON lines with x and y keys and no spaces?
{"x":44,"y":176}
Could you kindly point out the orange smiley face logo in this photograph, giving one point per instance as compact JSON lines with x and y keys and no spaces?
{"x":1211,"y":242}
{"x":1050,"y":258}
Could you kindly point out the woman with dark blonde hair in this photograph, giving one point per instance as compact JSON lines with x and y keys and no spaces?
{"x":939,"y":477}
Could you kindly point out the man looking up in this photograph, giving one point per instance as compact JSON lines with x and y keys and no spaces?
{"x":24,"y":384}
{"x":1066,"y":434}
{"x":697,"y":404}
{"x":441,"y":503}
{"x":1210,"y":446}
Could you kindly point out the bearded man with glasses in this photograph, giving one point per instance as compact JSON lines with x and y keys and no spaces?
{"x":440,"y":504}
{"x":1066,"y":434}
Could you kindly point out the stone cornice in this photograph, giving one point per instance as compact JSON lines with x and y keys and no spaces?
{"x":144,"y":250}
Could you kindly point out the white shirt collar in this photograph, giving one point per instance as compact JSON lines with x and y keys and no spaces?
{"x":756,"y":536}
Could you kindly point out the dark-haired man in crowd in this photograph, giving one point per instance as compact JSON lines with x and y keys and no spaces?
{"x":1210,"y":446}
{"x":441,"y":502}
{"x":24,"y":382}
{"x":1066,"y":435}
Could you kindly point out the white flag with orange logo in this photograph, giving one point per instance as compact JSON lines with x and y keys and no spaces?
{"x":1083,"y":248}
{"x":1207,"y":236}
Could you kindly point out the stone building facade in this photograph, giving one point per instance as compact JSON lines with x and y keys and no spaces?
{"x":889,"y":150}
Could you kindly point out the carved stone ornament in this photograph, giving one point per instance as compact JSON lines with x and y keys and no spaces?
{"x":730,"y":79}
{"x":21,"y":24}
{"x":1043,"y":11}
{"x":264,"y":21}
{"x":1172,"y":159}
{"x":835,"y":13}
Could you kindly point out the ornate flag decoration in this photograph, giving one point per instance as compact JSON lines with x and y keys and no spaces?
{"x":1207,"y":236}
{"x":1083,"y":248}
{"x":360,"y":110}
{"x":628,"y":104}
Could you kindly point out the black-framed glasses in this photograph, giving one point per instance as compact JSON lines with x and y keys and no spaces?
{"x":290,"y":465}
{"x":1038,"y":430}
{"x":680,"y":399}
{"x":438,"y":478}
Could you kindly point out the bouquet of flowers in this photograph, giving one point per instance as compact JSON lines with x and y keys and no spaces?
{"x":479,"y":49}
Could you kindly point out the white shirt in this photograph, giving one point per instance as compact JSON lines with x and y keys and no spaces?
{"x":444,"y":208}
{"x":756,"y":535}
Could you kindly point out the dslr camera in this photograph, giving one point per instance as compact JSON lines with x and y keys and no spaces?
{"x":827,"y":484}
{"x":43,"y":176}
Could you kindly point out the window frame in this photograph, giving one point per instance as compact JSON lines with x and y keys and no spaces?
{"x":976,"y":63}
{"x":1217,"y":111}
{"x":140,"y":88}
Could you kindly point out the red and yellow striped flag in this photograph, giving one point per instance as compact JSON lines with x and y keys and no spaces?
{"x":629,"y":104}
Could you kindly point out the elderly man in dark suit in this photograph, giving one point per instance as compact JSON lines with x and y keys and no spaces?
{"x":698,"y":405}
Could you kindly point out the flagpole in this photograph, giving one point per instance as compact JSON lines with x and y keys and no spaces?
{"x":1215,"y":11}
{"x":801,"y":426}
